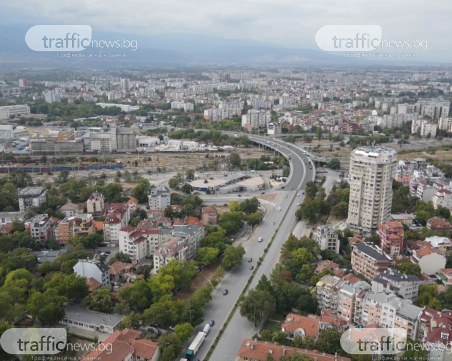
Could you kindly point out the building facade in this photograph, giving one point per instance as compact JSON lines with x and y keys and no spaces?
{"x":371,"y":172}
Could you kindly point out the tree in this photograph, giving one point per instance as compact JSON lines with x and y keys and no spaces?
{"x":189,"y":175}
{"x":186,"y":188}
{"x":250,"y":205}
{"x":70,"y":286}
{"x":253,"y":219}
{"x":100,"y":300}
{"x":184,"y":331}
{"x":233,"y":257}
{"x":48,"y":307}
{"x":256,"y":305}
{"x":136,"y":298}
{"x":141,"y":190}
{"x":235,"y":161}
{"x":408,"y":267}
{"x":334,"y":164}
{"x":170,"y":345}
{"x":231,"y":222}
{"x":340,"y":210}
{"x":164,"y":313}
{"x":329,"y":341}
{"x":181,"y":271}
{"x":207,"y":255}
{"x":414,"y":352}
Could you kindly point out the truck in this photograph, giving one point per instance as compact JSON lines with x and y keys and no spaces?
{"x":195,"y":345}
{"x":206,"y":329}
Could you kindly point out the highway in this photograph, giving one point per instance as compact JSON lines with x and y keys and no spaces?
{"x":279,"y":221}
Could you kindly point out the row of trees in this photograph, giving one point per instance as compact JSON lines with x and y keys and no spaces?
{"x":280,"y":293}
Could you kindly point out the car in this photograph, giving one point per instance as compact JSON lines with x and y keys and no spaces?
{"x":285,"y":196}
{"x":298,"y":204}
{"x":273,"y":223}
{"x":298,"y":194}
{"x":108,"y":252}
{"x":260,"y":239}
{"x":225,"y":292}
{"x":262,"y":192}
{"x":250,"y":259}
{"x":279,"y":208}
{"x":251,"y":268}
{"x":282,"y":187}
{"x":211,"y":323}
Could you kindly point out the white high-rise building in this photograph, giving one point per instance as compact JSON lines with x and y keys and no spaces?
{"x":371,"y":173}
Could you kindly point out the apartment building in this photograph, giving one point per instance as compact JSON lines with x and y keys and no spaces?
{"x":371,"y":173}
{"x":430,"y":260}
{"x":339,"y":295}
{"x":173,"y":249}
{"x":95,"y":204}
{"x":394,"y":281}
{"x":40,"y":227}
{"x":192,"y":235}
{"x":9,"y":111}
{"x":391,"y":238}
{"x":31,"y":197}
{"x":255,"y":119}
{"x":160,"y":197}
{"x":139,"y":243}
{"x":369,"y":260}
{"x":117,"y":216}
{"x":326,"y":237}
{"x":389,"y":311}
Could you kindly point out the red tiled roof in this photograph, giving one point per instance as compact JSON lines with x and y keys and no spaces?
{"x":258,"y":350}
{"x":309,"y":324}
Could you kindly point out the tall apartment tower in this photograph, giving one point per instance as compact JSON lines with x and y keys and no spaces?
{"x":371,"y":172}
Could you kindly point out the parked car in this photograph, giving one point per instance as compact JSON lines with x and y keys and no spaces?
{"x":260,"y":239}
{"x":225,"y":292}
{"x":250,"y":259}
{"x":211,"y":323}
{"x":251,"y":268}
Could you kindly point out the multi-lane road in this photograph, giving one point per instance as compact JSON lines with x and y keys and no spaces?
{"x":279,"y":221}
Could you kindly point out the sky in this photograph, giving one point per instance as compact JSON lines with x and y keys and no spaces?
{"x":289,"y":23}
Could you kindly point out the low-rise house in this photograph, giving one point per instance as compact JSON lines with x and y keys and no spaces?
{"x":369,"y":260}
{"x":71,"y":209}
{"x":394,"y":281}
{"x":118,"y":269}
{"x":445,"y":276}
{"x":443,"y":243}
{"x":252,"y":349}
{"x":125,"y":345}
{"x":301,"y":326}
{"x":439,"y":224}
{"x":209,"y":215}
{"x":429,"y":259}
{"x":94,"y":269}
{"x":326,"y":265}
{"x":10,"y":217}
{"x":80,"y":318}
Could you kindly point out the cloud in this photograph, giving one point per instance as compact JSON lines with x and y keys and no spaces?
{"x":285,"y":22}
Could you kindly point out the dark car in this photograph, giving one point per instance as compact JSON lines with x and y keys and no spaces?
{"x":251,"y":268}
{"x":250,"y":259}
{"x":211,"y":323}
{"x":225,"y":292}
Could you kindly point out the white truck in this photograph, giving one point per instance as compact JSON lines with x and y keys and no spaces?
{"x":206,"y":329}
{"x":195,"y":345}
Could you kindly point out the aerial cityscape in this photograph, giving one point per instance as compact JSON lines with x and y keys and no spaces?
{"x":226,"y":182}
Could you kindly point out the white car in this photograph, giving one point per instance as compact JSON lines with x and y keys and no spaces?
{"x":279,"y":208}
{"x":260,"y":239}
